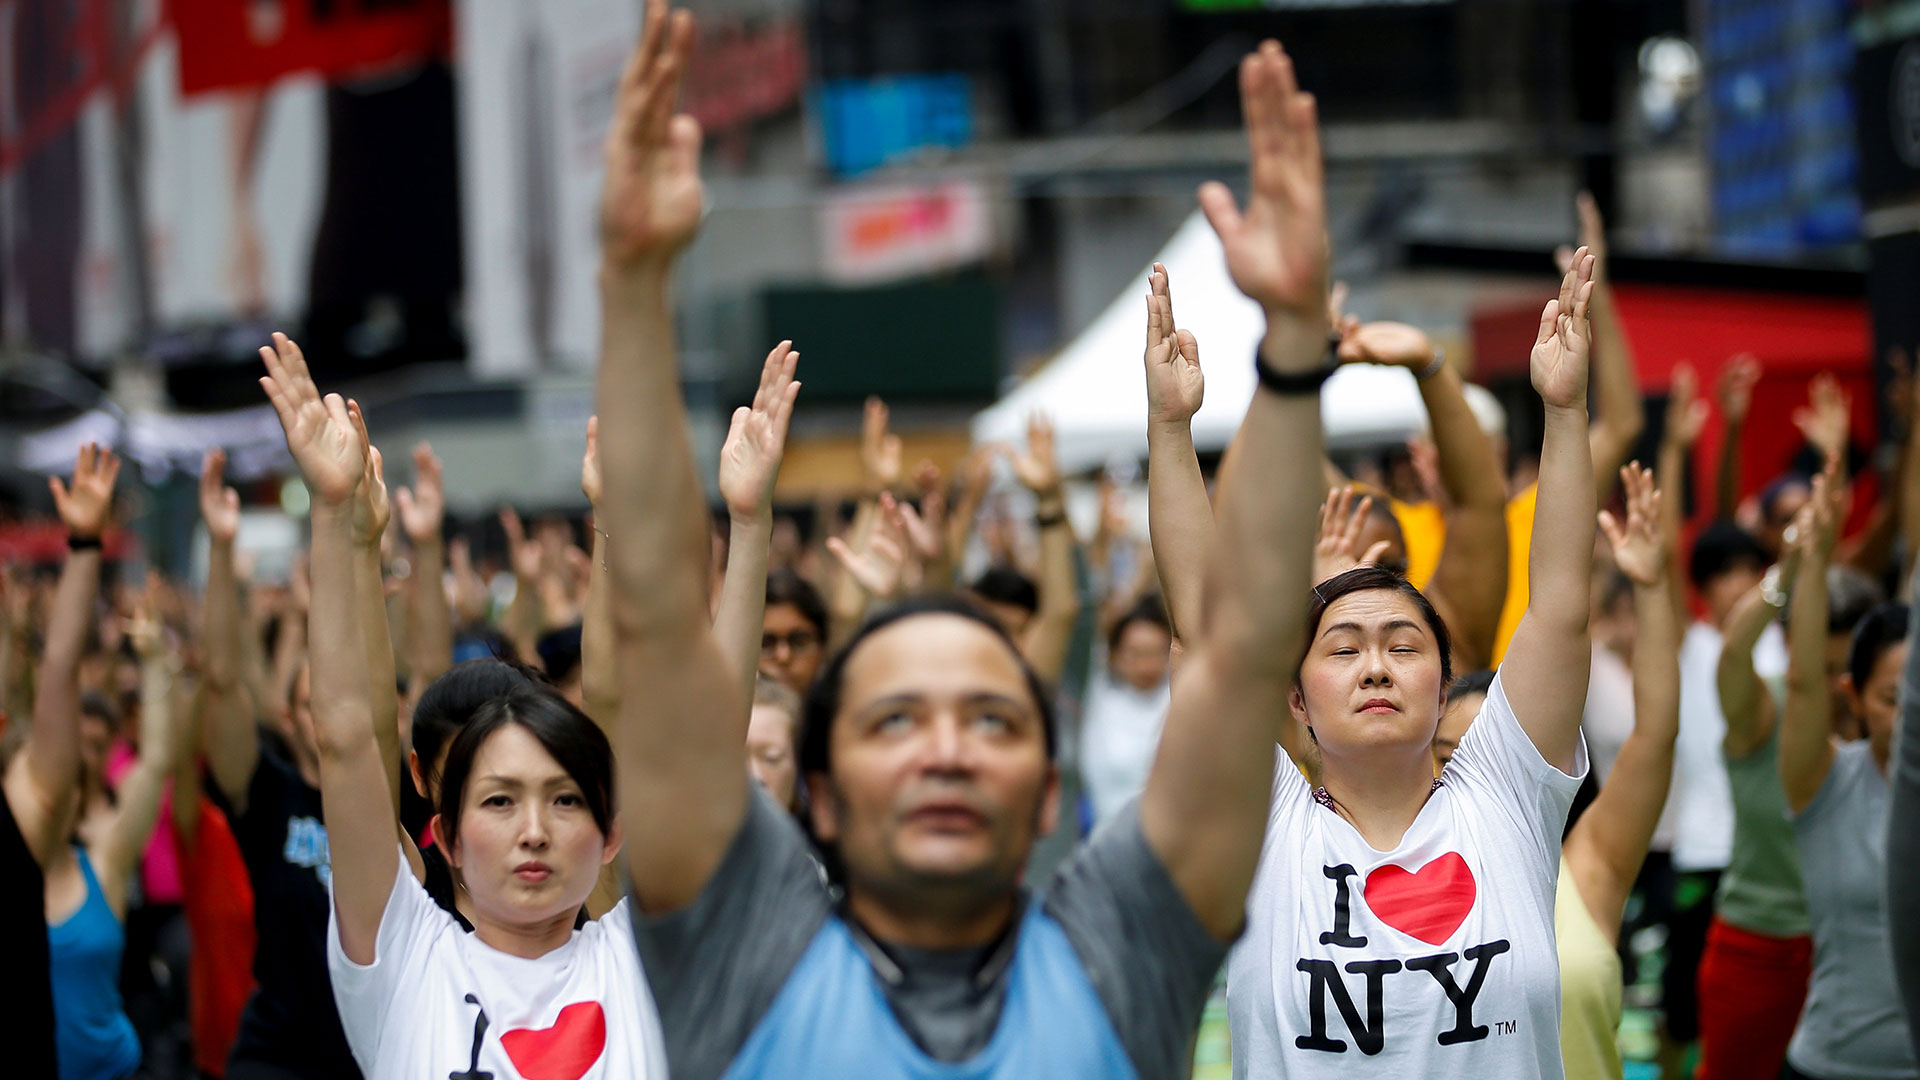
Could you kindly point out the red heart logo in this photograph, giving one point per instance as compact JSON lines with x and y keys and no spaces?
{"x":564,"y":1051}
{"x":1429,"y":903}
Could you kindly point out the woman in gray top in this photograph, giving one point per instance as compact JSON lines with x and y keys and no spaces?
{"x":1854,"y":1027}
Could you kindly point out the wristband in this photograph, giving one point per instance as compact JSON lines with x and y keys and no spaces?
{"x":76,"y":542}
{"x":1298,"y":383}
{"x":1439,"y":364}
{"x":1048,"y":521}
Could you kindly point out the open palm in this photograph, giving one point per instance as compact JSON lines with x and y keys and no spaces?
{"x":757,"y":438}
{"x":320,"y":434}
{"x":83,"y":507}
{"x":1277,"y":249}
{"x":653,"y":198}
{"x":1175,"y":384}
{"x":219,"y":504}
{"x":1559,"y":360}
{"x":423,"y":507}
{"x":1638,"y":549}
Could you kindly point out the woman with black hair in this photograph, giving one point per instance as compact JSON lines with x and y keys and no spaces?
{"x":1853,"y":1026}
{"x":525,"y":821}
{"x":927,"y":744}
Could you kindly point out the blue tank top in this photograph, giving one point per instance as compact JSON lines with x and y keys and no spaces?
{"x":833,"y":1016}
{"x":92,"y":1033}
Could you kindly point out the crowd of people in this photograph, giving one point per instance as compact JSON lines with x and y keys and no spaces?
{"x":1392,"y":754}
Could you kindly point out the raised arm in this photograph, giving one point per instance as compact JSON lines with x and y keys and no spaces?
{"x":371,"y":513}
{"x":1903,"y":823}
{"x":137,"y":802}
{"x":1545,"y":668}
{"x":44,"y":776}
{"x":599,"y":669}
{"x":1051,"y":631}
{"x":232,"y":740}
{"x":1744,"y":700}
{"x":1179,"y":514}
{"x":1469,"y":583}
{"x":749,"y":465}
{"x":1737,"y":381}
{"x":1206,"y":799}
{"x":683,"y":721}
{"x":1685,"y":417}
{"x":1806,"y":726}
{"x":355,"y":782}
{"x":881,"y":461}
{"x":1616,"y":384}
{"x":423,"y":512}
{"x":1610,"y":841}
{"x":524,"y":619}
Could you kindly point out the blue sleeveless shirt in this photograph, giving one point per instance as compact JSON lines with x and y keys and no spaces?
{"x":833,"y":1015}
{"x":94,"y":1038}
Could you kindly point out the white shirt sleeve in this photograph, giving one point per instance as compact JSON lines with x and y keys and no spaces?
{"x":368,"y":996}
{"x":1497,"y":760}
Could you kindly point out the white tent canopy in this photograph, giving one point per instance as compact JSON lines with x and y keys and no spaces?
{"x":1095,"y":390}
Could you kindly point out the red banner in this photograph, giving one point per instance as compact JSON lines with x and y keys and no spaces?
{"x":239,"y":44}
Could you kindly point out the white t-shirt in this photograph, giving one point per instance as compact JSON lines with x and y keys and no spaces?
{"x":1434,"y":959}
{"x":1607,"y":719}
{"x":1701,"y":801}
{"x":437,"y":1001}
{"x":1119,"y":735}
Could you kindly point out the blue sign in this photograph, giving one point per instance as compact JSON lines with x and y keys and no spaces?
{"x":866,"y":123}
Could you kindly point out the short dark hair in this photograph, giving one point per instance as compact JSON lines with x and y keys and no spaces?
{"x":1150,"y":610}
{"x":574,"y":740}
{"x":823,"y":697}
{"x":1366,"y":577}
{"x":1473,"y":682}
{"x":101,"y":707}
{"x":1721,"y":548}
{"x":1882,"y":629}
{"x":1777,"y":487}
{"x":450,"y":702}
{"x":1005,"y":585}
{"x":559,"y":652}
{"x":786,"y":587}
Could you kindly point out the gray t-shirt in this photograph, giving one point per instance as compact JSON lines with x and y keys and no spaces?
{"x":1903,"y":831}
{"x":716,"y":966}
{"x":1853,"y":1027}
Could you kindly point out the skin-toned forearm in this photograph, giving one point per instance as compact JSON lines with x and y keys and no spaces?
{"x":1608,"y":847}
{"x":743,"y":597}
{"x":1470,"y":579}
{"x":679,"y":749}
{"x":1047,"y":640}
{"x":370,"y":604}
{"x":52,"y":754}
{"x":1179,"y":521}
{"x":1670,"y":473}
{"x":521,"y":623}
{"x":1743,"y":699}
{"x":1726,"y":476}
{"x":599,"y":671}
{"x":431,"y":615}
{"x":186,"y":764}
{"x":1806,"y":745}
{"x":137,"y":807}
{"x":1616,"y":390}
{"x":221,"y":617}
{"x":1551,"y":645}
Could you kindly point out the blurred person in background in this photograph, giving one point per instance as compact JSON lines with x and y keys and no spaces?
{"x":1125,"y":706}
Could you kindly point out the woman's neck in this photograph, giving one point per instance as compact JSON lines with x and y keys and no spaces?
{"x":527,"y":941}
{"x":1380,"y":796}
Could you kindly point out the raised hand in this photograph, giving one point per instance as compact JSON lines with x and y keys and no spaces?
{"x":1638,"y":549}
{"x":320,"y":434}
{"x":653,"y":198}
{"x":1735,"y":388}
{"x":219,"y":504}
{"x":1277,"y":249}
{"x":1824,"y":508}
{"x":757,"y":438}
{"x":926,"y":530}
{"x":1036,"y":467}
{"x":1336,"y":548}
{"x":1686,"y":413}
{"x":590,"y":485}
{"x":1175,"y":385}
{"x":423,"y":507}
{"x":1388,"y":343}
{"x":1559,"y":360}
{"x":880,"y":450}
{"x":371,"y":510}
{"x":84,"y":506}
{"x":880,"y":566}
{"x":145,"y":634}
{"x":1827,"y":418}
{"x":524,"y":556}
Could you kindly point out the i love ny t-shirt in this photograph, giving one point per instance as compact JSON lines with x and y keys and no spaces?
{"x":1433,"y":959}
{"x":439,"y":1002}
